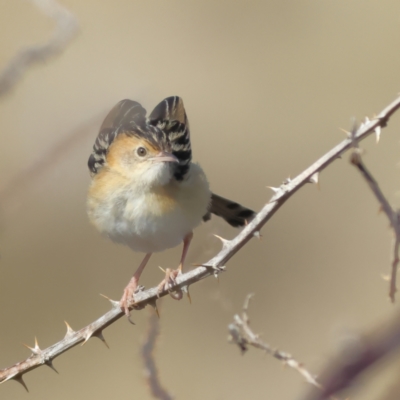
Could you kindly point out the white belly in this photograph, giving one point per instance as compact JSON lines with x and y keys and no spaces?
{"x":143,"y":227}
{"x":152,"y":221}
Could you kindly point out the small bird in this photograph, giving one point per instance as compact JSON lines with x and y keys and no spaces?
{"x":146,"y":192}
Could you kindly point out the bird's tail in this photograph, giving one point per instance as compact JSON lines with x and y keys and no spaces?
{"x":233,"y":213}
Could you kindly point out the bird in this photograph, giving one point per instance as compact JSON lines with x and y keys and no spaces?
{"x":146,"y":192}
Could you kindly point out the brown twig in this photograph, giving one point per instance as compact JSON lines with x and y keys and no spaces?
{"x":66,"y":27}
{"x":210,"y":268}
{"x":242,"y":335}
{"x":151,"y":369}
{"x":392,"y":215}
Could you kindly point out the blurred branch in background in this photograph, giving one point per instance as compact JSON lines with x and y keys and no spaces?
{"x":365,"y":351}
{"x":27,"y":175}
{"x":393,"y":216}
{"x":362,"y":353}
{"x":151,"y":370}
{"x":214,"y":266}
{"x":66,"y":27}
{"x":243,"y":336}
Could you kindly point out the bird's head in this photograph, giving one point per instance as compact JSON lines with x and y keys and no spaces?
{"x":144,"y":160}
{"x":164,"y":138}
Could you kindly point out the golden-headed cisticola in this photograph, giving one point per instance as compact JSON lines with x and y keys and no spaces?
{"x":146,"y":192}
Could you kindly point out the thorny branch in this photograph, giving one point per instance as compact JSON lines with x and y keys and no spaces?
{"x":66,"y":27}
{"x":211,"y":268}
{"x":393,"y":216}
{"x":152,"y":376}
{"x":241,"y":334}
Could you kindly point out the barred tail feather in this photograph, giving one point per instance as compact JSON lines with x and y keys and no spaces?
{"x":233,"y":213}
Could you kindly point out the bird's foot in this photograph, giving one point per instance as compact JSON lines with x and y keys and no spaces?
{"x":127,"y":300}
{"x":169,"y":281}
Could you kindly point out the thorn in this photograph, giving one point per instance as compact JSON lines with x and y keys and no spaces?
{"x":249,"y":297}
{"x":154,"y":305}
{"x":29,"y":347}
{"x":162,"y":269}
{"x":186,"y":290}
{"x":257,"y":235}
{"x":224,"y":241}
{"x":70,"y":331}
{"x":9,"y":377}
{"x":114,"y":303}
{"x":348,"y":134}
{"x":287,"y":180}
{"x":365,"y":122}
{"x":274,"y":189}
{"x":36,"y":349}
{"x":49,"y":363}
{"x":100,"y":336}
{"x":217,"y":271}
{"x":87,"y":336}
{"x":314,"y":178}
{"x":20,"y":380}
{"x":378,"y":133}
{"x":383,"y":120}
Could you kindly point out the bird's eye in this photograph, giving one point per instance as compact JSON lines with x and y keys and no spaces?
{"x":141,"y":151}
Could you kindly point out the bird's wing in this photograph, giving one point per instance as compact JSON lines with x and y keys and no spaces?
{"x":170,"y":117}
{"x":125,"y":114}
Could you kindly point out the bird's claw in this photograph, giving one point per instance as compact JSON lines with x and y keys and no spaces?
{"x":128,"y":300}
{"x":169,"y":282}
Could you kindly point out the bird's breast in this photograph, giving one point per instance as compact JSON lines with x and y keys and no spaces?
{"x":148,"y":220}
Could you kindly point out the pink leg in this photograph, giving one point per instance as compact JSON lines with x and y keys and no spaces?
{"x":186,"y":243}
{"x":171,"y":275}
{"x":127,"y":297}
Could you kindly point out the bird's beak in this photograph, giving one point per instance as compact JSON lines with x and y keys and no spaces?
{"x":163,"y":156}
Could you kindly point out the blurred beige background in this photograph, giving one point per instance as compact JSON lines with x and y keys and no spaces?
{"x":266,"y":85}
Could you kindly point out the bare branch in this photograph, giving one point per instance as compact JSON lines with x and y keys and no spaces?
{"x":211,"y":268}
{"x":241,"y":334}
{"x":392,"y":215}
{"x":148,"y":347}
{"x":66,"y":27}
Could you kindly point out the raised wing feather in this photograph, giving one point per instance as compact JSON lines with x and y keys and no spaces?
{"x":125,"y":114}
{"x":170,"y":117}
